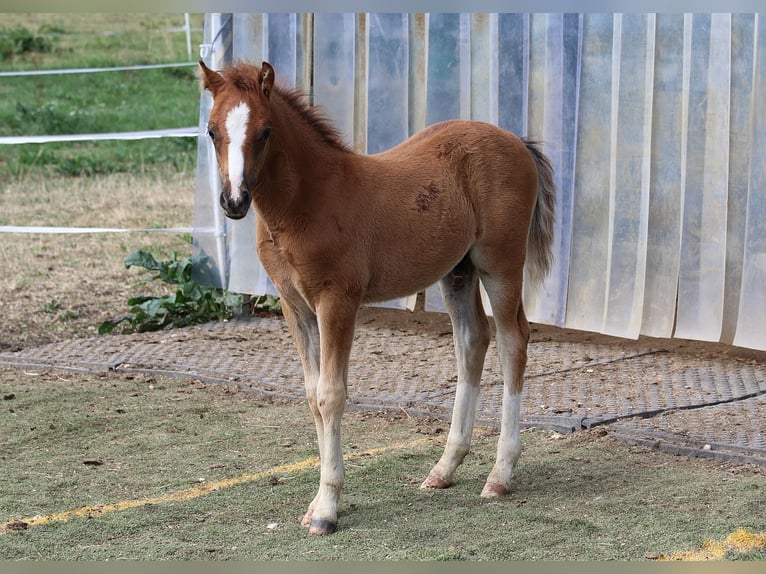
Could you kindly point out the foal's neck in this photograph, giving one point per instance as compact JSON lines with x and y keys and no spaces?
{"x":302,"y":160}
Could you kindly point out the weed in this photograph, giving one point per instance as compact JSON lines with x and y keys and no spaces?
{"x":17,"y":41}
{"x":68,"y":316}
{"x":190,"y":304}
{"x":265,"y":303}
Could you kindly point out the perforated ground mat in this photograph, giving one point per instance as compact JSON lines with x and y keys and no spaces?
{"x":680,"y":397}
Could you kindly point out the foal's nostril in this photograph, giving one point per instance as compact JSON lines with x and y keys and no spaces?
{"x":235,"y":208}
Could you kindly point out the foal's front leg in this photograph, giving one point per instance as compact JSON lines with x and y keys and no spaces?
{"x":337,"y":318}
{"x":304,"y":330}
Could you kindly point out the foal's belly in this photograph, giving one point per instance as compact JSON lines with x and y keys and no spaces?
{"x":411,"y":266}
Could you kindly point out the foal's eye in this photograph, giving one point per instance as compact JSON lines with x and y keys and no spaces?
{"x":211,"y":134}
{"x":265,"y":134}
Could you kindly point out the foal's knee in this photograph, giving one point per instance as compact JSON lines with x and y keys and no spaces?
{"x":311,"y":396}
{"x":330,"y":399}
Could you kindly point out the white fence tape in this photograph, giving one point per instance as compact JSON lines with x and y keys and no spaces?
{"x":173,"y":132}
{"x":139,"y":135}
{"x":93,"y":70}
{"x":71,"y":230}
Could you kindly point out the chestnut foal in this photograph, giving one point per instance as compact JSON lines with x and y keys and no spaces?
{"x":459,"y":202}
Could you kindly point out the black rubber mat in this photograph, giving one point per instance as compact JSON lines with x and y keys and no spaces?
{"x":703,"y":405}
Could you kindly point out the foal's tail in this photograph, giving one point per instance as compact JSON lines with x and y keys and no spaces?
{"x":540,"y":237}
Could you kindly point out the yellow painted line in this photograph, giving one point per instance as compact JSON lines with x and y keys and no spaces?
{"x":194,"y":491}
{"x":740,"y":540}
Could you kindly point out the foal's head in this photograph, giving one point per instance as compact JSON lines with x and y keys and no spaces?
{"x":239,"y":126}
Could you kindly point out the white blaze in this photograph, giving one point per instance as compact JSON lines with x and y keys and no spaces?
{"x":236,"y":127}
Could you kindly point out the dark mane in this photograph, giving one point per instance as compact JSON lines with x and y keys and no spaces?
{"x":313,"y":116}
{"x":245,"y":78}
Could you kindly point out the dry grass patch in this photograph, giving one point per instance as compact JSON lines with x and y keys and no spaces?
{"x":121,"y":200}
{"x":55,"y":286}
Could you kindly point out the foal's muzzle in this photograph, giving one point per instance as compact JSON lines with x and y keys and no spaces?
{"x":235,"y":208}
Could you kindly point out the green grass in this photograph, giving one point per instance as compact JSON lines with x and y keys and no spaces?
{"x":97,"y":103}
{"x":19,"y":41}
{"x":582,"y":497}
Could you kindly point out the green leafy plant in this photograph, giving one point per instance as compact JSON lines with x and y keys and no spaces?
{"x":264,"y":304}
{"x":17,"y":41}
{"x":191,"y":303}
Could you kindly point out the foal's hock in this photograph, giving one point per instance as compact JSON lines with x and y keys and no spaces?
{"x":460,"y":202}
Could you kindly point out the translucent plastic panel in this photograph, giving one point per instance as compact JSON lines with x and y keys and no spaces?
{"x":513,"y":72}
{"x":281,"y":49}
{"x":742,"y":53}
{"x":246,"y":275}
{"x":590,"y":221}
{"x":629,"y":178}
{"x":448,"y":85}
{"x":209,"y":237}
{"x":258,"y":37}
{"x":553,"y":302}
{"x":653,"y":124}
{"x":418,"y":67}
{"x":484,"y":64}
{"x":539,"y":59}
{"x":388,"y":85}
{"x":334,"y":68}
{"x":751,"y":326}
{"x":667,"y":177}
{"x":388,"y":92}
{"x":248,"y":42}
{"x":448,"y":67}
{"x":553,"y":121}
{"x":304,"y":55}
{"x":703,"y":237}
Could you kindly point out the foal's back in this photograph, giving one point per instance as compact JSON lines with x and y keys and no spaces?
{"x":426,"y":202}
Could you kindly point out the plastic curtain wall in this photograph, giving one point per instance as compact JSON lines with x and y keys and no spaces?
{"x":655,"y":125}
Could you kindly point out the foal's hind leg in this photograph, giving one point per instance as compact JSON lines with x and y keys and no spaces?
{"x":512,"y":337}
{"x":471,"y":335}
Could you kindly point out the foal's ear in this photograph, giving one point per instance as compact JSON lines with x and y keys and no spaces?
{"x":210,"y":80}
{"x":267,"y":78}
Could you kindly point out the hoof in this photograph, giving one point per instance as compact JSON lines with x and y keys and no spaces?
{"x":494,"y":490}
{"x":306,"y":520}
{"x":434,"y":481}
{"x":322,"y":527}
